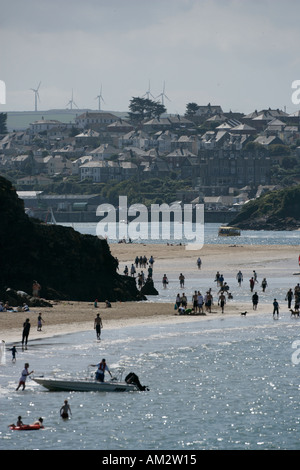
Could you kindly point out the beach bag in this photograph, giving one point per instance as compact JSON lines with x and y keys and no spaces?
{"x":175,"y":307}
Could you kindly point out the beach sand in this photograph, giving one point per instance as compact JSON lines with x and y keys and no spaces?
{"x":69,"y":317}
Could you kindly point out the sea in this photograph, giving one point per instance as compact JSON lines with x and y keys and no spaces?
{"x":223,"y":383}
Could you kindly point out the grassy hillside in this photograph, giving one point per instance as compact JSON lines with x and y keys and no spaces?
{"x":277,"y":210}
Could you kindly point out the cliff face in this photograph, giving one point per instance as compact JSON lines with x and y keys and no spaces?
{"x":67,"y":265}
{"x":277,"y":210}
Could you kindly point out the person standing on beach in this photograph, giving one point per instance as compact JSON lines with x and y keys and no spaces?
{"x":239,"y":277}
{"x":132,"y":270}
{"x":275,"y":308}
{"x":289,"y":297}
{"x":165,"y":281}
{"x":199,"y":262}
{"x":36,"y":289}
{"x":40,"y":321}
{"x":264,"y":284}
{"x":252,"y":282}
{"x":181,"y":280}
{"x":24,"y":376}
{"x":26,"y":330}
{"x":222,"y":301}
{"x":255,"y":300}
{"x":98,"y":325}
{"x":65,"y":410}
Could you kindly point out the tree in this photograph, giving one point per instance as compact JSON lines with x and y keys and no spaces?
{"x":143,"y":108}
{"x":191,"y":109}
{"x":3,"y":119}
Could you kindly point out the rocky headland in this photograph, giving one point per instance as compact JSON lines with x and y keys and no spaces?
{"x":67,"y":264}
{"x":276,"y":210}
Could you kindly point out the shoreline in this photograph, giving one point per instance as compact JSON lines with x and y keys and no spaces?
{"x":61,"y":320}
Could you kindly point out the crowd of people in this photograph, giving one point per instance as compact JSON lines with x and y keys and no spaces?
{"x":143,"y":263}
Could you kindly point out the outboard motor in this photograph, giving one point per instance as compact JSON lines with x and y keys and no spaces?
{"x":132,"y":378}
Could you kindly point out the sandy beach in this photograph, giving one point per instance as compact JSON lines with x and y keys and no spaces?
{"x":71,"y":316}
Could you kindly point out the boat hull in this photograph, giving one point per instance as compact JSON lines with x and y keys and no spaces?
{"x":58,"y":385}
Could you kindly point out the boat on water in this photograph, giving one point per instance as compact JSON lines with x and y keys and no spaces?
{"x":84,"y":385}
{"x":131,"y":384}
{"x":225,"y":231}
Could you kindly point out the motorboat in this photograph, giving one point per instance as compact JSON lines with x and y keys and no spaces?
{"x":84,"y":385}
{"x":229,"y":231}
{"x":130,"y":384}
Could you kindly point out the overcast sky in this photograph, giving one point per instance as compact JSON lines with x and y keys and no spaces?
{"x":241,"y":54}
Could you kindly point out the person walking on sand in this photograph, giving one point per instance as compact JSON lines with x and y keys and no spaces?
{"x":252,"y":282}
{"x":65,"y":410}
{"x":98,"y":325}
{"x":275,"y":308}
{"x":26,"y":330}
{"x":24,"y":376}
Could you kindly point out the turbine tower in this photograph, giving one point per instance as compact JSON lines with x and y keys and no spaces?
{"x":148,"y":93}
{"x":163,"y":95}
{"x":99,"y":98}
{"x":36,"y":96}
{"x":71,"y":102}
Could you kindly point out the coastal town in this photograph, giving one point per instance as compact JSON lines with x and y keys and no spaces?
{"x":222,"y":159}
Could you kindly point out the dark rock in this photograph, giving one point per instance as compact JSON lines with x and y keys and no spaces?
{"x":67,"y":264}
{"x":148,"y":288}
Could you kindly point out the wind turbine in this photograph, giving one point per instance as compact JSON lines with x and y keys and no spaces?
{"x":71,"y":102}
{"x":36,"y":95}
{"x":99,"y":98}
{"x":163,"y":95}
{"x":148,"y":93}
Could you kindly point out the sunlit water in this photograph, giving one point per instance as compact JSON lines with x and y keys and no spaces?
{"x":229,"y":383}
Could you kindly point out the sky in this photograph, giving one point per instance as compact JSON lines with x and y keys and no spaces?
{"x":240,"y":54}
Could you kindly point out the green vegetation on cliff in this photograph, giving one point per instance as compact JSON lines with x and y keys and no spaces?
{"x":277,"y":210}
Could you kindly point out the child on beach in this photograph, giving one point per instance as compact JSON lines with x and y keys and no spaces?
{"x":40,"y":321}
{"x":13,"y":352}
{"x":24,"y":376}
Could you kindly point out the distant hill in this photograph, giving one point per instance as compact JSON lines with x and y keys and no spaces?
{"x":277,"y":210}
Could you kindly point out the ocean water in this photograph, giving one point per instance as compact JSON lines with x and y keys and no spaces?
{"x":215,"y":384}
{"x":248,"y":237}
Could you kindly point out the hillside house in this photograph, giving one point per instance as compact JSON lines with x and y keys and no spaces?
{"x":95,"y":120}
